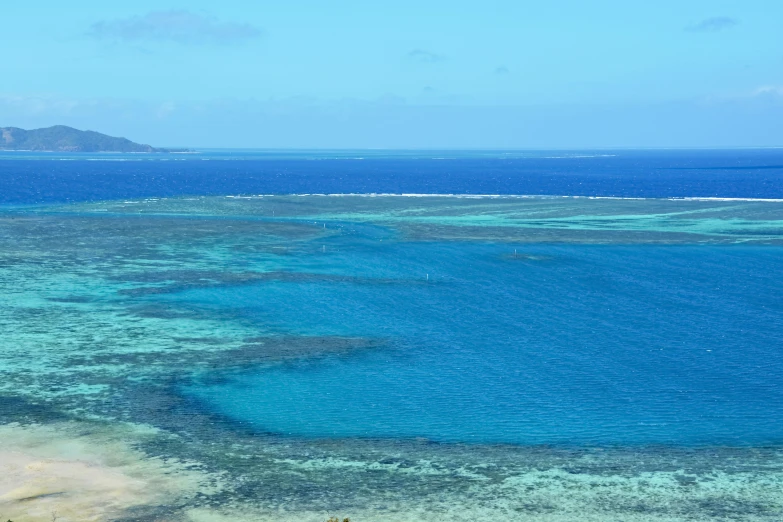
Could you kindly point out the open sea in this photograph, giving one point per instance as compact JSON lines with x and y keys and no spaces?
{"x":43,"y":178}
{"x":413,"y":335}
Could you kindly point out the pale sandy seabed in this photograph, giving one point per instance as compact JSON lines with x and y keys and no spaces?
{"x":92,"y":354}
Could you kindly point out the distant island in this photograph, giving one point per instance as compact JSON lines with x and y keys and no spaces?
{"x":67,"y":139}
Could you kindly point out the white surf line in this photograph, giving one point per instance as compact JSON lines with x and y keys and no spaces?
{"x":501,"y":196}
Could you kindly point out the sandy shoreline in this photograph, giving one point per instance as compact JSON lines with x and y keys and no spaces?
{"x":56,"y":469}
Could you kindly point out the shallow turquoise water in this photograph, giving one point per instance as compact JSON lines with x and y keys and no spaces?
{"x":560,"y":345}
{"x":301,"y":353}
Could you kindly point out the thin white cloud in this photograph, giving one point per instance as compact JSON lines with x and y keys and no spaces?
{"x":38,"y":104}
{"x":424,"y":56}
{"x":181,"y":26}
{"x":712,"y":24}
{"x":430,"y":121}
{"x":769,"y":90}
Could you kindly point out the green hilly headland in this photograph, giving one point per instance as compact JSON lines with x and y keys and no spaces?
{"x":61,"y":138}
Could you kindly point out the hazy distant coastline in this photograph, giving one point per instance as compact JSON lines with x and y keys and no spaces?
{"x":61,"y":138}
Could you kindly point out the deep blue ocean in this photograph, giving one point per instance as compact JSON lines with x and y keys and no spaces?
{"x":573,"y":344}
{"x":30,"y":178}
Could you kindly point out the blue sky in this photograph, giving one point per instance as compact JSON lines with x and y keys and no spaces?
{"x":496,"y":73}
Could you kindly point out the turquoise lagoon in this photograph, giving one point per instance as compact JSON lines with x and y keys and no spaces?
{"x":412,"y":358}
